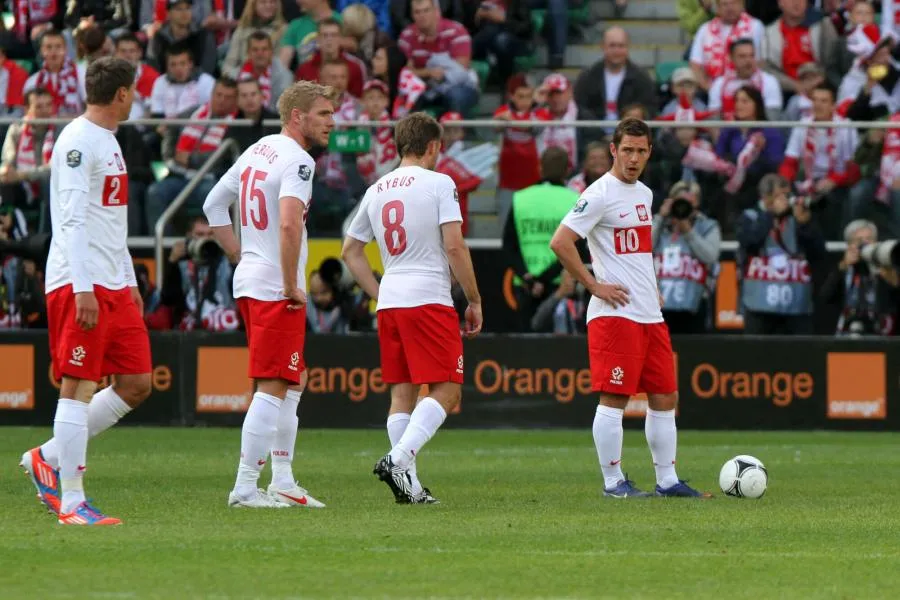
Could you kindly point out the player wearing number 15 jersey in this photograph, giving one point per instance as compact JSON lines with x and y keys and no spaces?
{"x":272,"y":183}
{"x":628,"y":342}
{"x":413,"y":215}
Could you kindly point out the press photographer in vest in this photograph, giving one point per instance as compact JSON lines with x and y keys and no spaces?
{"x":868,"y":295}
{"x":686,"y":252}
{"x":534,"y":216}
{"x":777,"y":240}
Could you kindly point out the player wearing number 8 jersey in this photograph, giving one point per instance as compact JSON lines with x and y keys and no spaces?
{"x":413,"y":215}
{"x":272,"y":183}
{"x":628,"y":342}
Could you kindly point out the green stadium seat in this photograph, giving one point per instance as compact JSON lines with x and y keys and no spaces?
{"x":9,"y":20}
{"x":160,"y":170}
{"x":579,"y":15}
{"x":664,"y":70}
{"x":525,"y":63}
{"x":538,"y":16}
{"x":483,"y":70}
{"x":26,"y":64}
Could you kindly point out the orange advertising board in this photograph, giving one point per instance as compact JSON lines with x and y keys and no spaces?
{"x":17,"y":382}
{"x":222,"y":382}
{"x":856,"y":385}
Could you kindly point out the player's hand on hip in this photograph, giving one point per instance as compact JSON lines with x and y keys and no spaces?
{"x":662,"y":300}
{"x":613,"y":293}
{"x":296,"y":297}
{"x":87,"y":311}
{"x":474,"y":320}
{"x":138,"y":301}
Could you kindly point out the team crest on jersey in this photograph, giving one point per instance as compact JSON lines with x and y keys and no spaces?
{"x":119,"y":162}
{"x":580,"y":206}
{"x":73,"y":158}
{"x":642,"y":213}
{"x":304,"y":173}
{"x":456,"y":194}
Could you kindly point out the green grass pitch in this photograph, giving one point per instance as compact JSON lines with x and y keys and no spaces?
{"x":521,"y":516}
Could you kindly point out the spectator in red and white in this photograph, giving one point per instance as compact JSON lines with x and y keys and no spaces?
{"x":440,"y":53}
{"x":824,"y":155}
{"x":744,"y":71}
{"x":180,"y":30}
{"x":262,"y":65}
{"x":519,"y":159}
{"x":329,"y":42}
{"x":128,"y":47}
{"x":250,"y":106}
{"x":503,"y":31}
{"x":259,"y":16}
{"x":556,"y":93}
{"x":59,"y":76}
{"x":597,"y":162}
{"x":870,"y":90}
{"x":850,"y":17}
{"x":799,"y":36}
{"x":26,"y":153}
{"x":612,"y":83}
{"x":382,"y":156}
{"x":684,"y":88}
{"x":709,"y":54}
{"x":12,"y":81}
{"x":33,"y":18}
{"x":890,"y":17}
{"x":809,"y":76}
{"x":181,"y":87}
{"x":192,"y":148}
{"x":216,"y":16}
{"x":91,"y":43}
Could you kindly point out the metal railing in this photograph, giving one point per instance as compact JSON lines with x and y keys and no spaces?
{"x":228,"y":145}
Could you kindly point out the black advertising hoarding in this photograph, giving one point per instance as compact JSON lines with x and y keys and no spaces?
{"x":727,"y":382}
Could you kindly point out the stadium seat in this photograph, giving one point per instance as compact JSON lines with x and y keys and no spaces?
{"x":26,"y":64}
{"x":9,"y":20}
{"x":526,"y":62}
{"x":483,"y":70}
{"x":160,"y":170}
{"x":664,"y":70}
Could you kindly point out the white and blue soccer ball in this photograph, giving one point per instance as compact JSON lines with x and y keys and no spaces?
{"x":744,"y":477}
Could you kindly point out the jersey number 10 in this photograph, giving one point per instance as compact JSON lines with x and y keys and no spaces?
{"x":633,"y":240}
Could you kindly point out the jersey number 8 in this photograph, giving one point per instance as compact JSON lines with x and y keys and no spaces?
{"x":392,"y":219}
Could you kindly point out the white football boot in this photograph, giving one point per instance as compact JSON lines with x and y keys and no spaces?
{"x":258,"y":500}
{"x":293,"y":496}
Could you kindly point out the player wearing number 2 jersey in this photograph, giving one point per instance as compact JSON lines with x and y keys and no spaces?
{"x":628,"y":342}
{"x":94,"y":312}
{"x":413,"y":215}
{"x":272,"y":183}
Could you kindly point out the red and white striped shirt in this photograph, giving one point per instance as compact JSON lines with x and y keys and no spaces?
{"x":452,"y":39}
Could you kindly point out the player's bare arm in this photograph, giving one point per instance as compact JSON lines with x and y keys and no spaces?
{"x":461,"y":266}
{"x":563,"y":245}
{"x":290,"y":233}
{"x":354,"y":257}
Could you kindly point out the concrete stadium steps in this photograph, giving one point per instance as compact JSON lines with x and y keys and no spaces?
{"x":641,"y":31}
{"x":637,"y":9}
{"x":642,"y":53}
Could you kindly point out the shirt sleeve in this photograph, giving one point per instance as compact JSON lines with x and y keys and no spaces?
{"x":290,"y":35}
{"x":296,"y":181}
{"x":73,"y":163}
{"x":696,"y":55}
{"x":404,"y":42}
{"x":74,"y":204}
{"x":771,"y":91}
{"x":157,"y":107}
{"x":220,"y":198}
{"x":448,"y":201}
{"x":461,"y":44}
{"x":795,"y":143}
{"x":586,"y":214}
{"x":715,"y":94}
{"x":361,"y":226}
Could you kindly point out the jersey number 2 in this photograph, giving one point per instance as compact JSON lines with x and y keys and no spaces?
{"x":392,"y":219}
{"x":249,"y":179}
{"x":115,"y":190}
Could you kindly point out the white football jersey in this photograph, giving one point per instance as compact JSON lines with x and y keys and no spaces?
{"x":615,"y":218}
{"x":403,"y":212}
{"x":275,"y":167}
{"x":87,"y":158}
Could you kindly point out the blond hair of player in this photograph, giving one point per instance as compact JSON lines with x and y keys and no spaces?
{"x":272,"y":183}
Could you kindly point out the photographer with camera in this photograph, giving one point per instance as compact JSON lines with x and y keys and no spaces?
{"x":686,"y":253}
{"x":337,"y":304}
{"x":866,"y":288}
{"x":777,"y":240}
{"x":196,"y":289}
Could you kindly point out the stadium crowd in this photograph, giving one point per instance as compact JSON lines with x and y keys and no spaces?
{"x":780,"y":193}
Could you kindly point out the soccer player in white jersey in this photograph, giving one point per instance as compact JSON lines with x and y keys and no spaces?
{"x":628,"y":342}
{"x":272,"y":183}
{"x":413,"y":215}
{"x":94,"y":310}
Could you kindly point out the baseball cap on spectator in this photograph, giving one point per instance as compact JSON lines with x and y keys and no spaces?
{"x":376,"y":84}
{"x":683,"y":75}
{"x":864,"y":41}
{"x":556,"y":82}
{"x":809,"y":69}
{"x":451,"y":116}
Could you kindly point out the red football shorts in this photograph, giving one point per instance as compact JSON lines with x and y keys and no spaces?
{"x":629,"y":357}
{"x":275,"y":336}
{"x":117,"y":345}
{"x":421,"y":344}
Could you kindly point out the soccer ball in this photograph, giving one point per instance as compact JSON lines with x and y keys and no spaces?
{"x":744,"y":477}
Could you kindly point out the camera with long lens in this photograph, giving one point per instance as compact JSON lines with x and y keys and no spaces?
{"x":884,"y":254}
{"x":681,"y":209}
{"x":203,"y":251}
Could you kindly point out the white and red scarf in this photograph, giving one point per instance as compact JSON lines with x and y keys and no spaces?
{"x":889,"y":170}
{"x":731,"y":84}
{"x":811,"y":150}
{"x":161,"y":13}
{"x":701,"y":156}
{"x":63,"y":86}
{"x":410,"y":88}
{"x":716,"y":61}
{"x":201,"y":137}
{"x":25,"y":157}
{"x":746,"y":157}
{"x":382,"y":157}
{"x":264,"y":79}
{"x":564,"y":136}
{"x":33,"y":12}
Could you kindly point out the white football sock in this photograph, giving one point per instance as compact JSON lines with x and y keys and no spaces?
{"x":662,"y":437}
{"x":285,"y":438}
{"x":423,"y":424}
{"x":396,"y":426}
{"x":257,"y":435}
{"x":105,"y":410}
{"x":608,"y":440}
{"x":71,"y":433}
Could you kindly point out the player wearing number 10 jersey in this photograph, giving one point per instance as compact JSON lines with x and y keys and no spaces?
{"x":628,"y":341}
{"x":413,"y":215}
{"x":272,"y":183}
